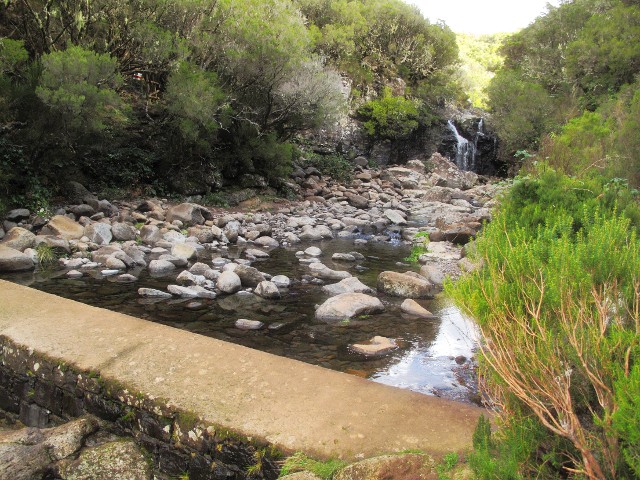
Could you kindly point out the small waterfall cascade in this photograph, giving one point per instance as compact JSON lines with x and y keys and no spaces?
{"x":466,"y":150}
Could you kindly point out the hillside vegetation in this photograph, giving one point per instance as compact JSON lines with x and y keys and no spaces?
{"x":569,"y":88}
{"x":557,"y":289}
{"x":177,"y":94}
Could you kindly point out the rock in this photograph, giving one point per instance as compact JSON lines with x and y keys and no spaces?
{"x":395,"y":216}
{"x":83,"y":210}
{"x":376,"y":347}
{"x":29,"y":453}
{"x":53,"y":242}
{"x":74,"y":274}
{"x":123,"y":231}
{"x":404,"y":466}
{"x":313,"y":251}
{"x":188,"y":279}
{"x":348,"y":305}
{"x":126,"y":278}
{"x":64,"y":227}
{"x":267,"y":290}
{"x":405,"y":285}
{"x":120,"y":459}
{"x":19,"y":238}
{"x":153,"y":293}
{"x":343,"y":257}
{"x":191,"y":292}
{"x":18,"y":214}
{"x":109,"y":272}
{"x":361,"y":161}
{"x":177,"y":261}
{"x":173,"y":237}
{"x":433,"y":274}
{"x":348,"y":285}
{"x":323,"y":272}
{"x":98,"y":233}
{"x":254,"y":252}
{"x":460,"y":235}
{"x":244,"y":324}
{"x":188,"y":213}
{"x":199,"y":268}
{"x":310,"y":233}
{"x":356,"y":200}
{"x":114,"y":263}
{"x":160,"y":267}
{"x":281,"y":281}
{"x":413,"y":308}
{"x":150,"y":234}
{"x":249,"y":276}
{"x":12,"y":260}
{"x":184,"y":250}
{"x":229,"y":282}
{"x":267,"y":242}
{"x":136,"y":254}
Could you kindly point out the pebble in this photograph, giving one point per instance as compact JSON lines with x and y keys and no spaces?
{"x":244,"y":324}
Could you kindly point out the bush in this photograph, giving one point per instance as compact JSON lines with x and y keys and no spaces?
{"x":558,"y":305}
{"x":390,"y":117}
{"x":335,"y":166}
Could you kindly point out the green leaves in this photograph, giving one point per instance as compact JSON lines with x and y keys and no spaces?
{"x":390,"y":117}
{"x":79,"y":85}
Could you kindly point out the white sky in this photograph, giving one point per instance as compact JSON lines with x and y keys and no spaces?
{"x":486,"y":16}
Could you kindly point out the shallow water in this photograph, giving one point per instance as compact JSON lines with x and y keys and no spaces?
{"x":424,"y":362}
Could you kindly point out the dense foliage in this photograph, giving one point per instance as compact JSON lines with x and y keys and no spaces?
{"x":557,"y":301}
{"x":479,"y":60}
{"x":183,"y":92}
{"x":579,"y":64}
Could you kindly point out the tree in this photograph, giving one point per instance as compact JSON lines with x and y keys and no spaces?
{"x":78,"y":86}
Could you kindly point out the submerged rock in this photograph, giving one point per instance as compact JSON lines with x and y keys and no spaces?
{"x":319,"y":270}
{"x":244,"y":324}
{"x":376,"y":347}
{"x":411,"y":307}
{"x":348,"y":305}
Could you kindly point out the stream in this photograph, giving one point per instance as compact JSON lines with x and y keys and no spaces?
{"x":433,"y":356}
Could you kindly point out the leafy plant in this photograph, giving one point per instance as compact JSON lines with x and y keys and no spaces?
{"x":46,"y":255}
{"x":449,"y":461}
{"x":390,"y":117}
{"x":421,"y":240}
{"x":299,"y":462}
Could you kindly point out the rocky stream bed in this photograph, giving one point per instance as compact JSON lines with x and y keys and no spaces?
{"x":324,"y":280}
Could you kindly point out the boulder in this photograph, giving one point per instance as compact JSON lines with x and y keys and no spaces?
{"x":123,"y":231}
{"x":376,"y":347}
{"x":98,"y":233}
{"x":161,"y":267}
{"x":405,"y":285}
{"x":413,"y":308}
{"x":188,"y":213}
{"x":150,"y":234}
{"x":348,"y":305}
{"x":184,"y":250}
{"x":153,"y":293}
{"x":249,"y":276}
{"x":19,"y":238}
{"x":313,"y":251}
{"x":348,"y":285}
{"x":343,"y":257}
{"x":356,"y":200}
{"x":64,"y":227}
{"x":281,"y":281}
{"x":255,"y":253}
{"x":119,"y":459}
{"x":229,"y":282}
{"x":321,"y":271}
{"x":267,"y":290}
{"x":395,"y":217}
{"x":403,"y":466}
{"x":18,"y":214}
{"x":12,"y":260}
{"x":191,"y":292}
{"x":433,"y":274}
{"x":267,"y":242}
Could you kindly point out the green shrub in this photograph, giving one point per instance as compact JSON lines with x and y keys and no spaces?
{"x":299,"y":462}
{"x":557,"y":303}
{"x":335,"y":166}
{"x":390,"y":117}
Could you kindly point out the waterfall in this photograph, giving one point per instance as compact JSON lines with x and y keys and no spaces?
{"x":465,"y":150}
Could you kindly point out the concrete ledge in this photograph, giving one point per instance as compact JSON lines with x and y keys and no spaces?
{"x":264,"y":398}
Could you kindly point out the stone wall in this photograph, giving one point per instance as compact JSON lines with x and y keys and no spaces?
{"x":44,"y":392}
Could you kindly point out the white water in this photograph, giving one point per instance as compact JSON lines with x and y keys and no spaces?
{"x":466,"y":150}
